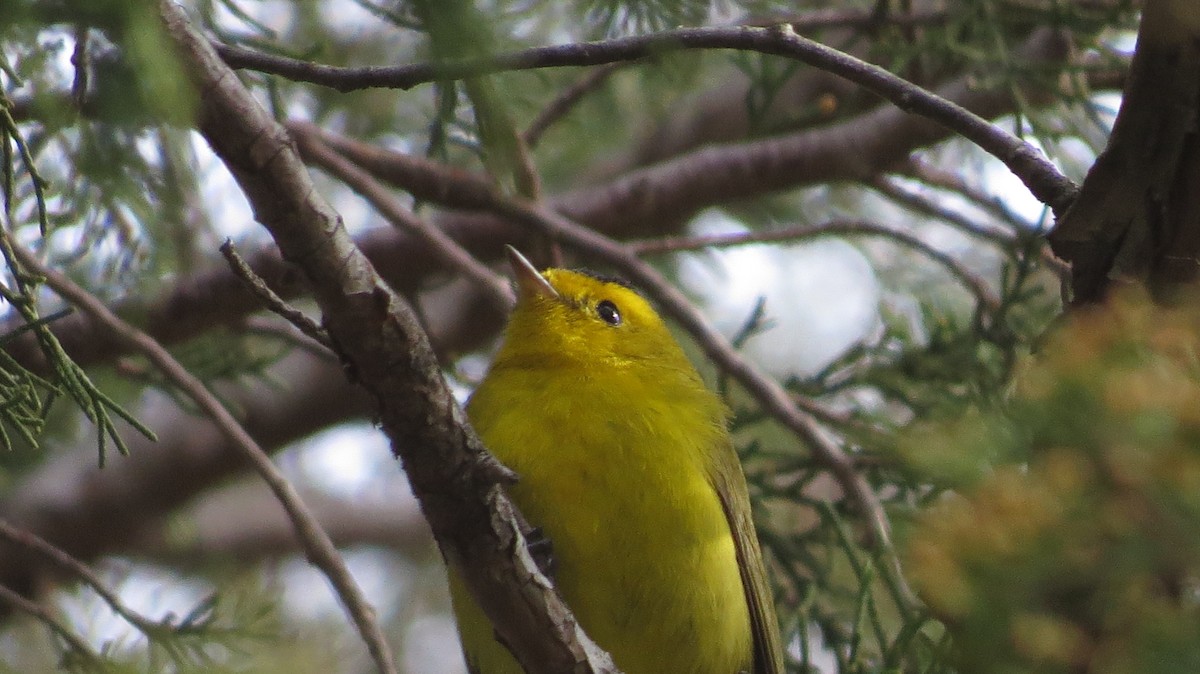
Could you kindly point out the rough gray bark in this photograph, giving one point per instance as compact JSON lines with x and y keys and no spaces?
{"x":1137,"y":216}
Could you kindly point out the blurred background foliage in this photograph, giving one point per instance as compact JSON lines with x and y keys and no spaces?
{"x":1064,"y":537}
{"x":1038,"y":469}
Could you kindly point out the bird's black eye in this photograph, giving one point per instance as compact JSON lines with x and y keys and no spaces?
{"x":607,"y":311}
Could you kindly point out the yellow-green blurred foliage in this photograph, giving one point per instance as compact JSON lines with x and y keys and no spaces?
{"x":1068,"y":539}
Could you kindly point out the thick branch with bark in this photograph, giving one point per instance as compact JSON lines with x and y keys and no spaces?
{"x":385,"y":350}
{"x":1138,"y":214}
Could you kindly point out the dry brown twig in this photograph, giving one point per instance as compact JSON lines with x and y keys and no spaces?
{"x":984,"y":296}
{"x":317,"y":545}
{"x":567,"y":99}
{"x":269,"y":299}
{"x":39,"y":613}
{"x":920,"y":204}
{"x":940,"y":178}
{"x":74,"y":567}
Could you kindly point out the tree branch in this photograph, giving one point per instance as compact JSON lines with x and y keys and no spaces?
{"x":1045,"y":181}
{"x":944,"y":179}
{"x":270,"y":300}
{"x":78,"y":646}
{"x":568,"y":99}
{"x":88,"y":512}
{"x":984,"y":296}
{"x":919,"y":203}
{"x":457,"y":482}
{"x":1138,"y":214}
{"x":317,"y":546}
{"x":657,"y":199}
{"x":448,"y":250}
{"x":74,"y":567}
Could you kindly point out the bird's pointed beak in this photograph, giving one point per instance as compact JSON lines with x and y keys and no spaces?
{"x":529,"y":282}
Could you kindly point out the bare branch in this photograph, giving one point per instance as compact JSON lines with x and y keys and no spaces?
{"x":65,"y":562}
{"x":1042,"y":178}
{"x":319,"y":549}
{"x":950,"y":181}
{"x":39,"y":612}
{"x":567,"y":99}
{"x":923,"y":205}
{"x":269,"y":299}
{"x":984,"y":295}
{"x":425,"y":179}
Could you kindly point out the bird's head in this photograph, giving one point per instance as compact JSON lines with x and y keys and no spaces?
{"x":573,"y":317}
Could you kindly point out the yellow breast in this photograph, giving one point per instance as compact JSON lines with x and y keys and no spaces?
{"x":644,"y":554}
{"x":613,"y":435}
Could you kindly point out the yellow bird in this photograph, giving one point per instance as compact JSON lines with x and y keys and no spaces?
{"x":626,"y":464}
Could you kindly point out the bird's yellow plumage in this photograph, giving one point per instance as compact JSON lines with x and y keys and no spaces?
{"x":625,"y":462}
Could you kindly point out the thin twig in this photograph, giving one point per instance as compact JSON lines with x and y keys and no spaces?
{"x":983,"y":294}
{"x":309,"y":141}
{"x":274,"y":302}
{"x":567,"y":99}
{"x":43,"y":616}
{"x":528,"y":179}
{"x":1042,"y":178}
{"x":926,"y":206}
{"x":74,"y":567}
{"x":316,"y":543}
{"x":940,"y":178}
{"x":425,"y":179}
{"x":288,"y":333}
{"x":923,"y":205}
